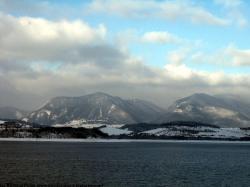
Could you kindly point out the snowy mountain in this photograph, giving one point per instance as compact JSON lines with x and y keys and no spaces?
{"x":216,"y":110}
{"x":95,"y":108}
{"x":98,"y":109}
{"x":11,"y":113}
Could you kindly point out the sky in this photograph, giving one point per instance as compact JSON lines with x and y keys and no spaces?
{"x":158,"y":50}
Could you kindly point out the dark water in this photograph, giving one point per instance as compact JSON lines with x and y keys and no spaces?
{"x":125,"y":164}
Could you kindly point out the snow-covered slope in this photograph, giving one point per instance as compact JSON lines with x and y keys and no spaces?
{"x":115,"y":131}
{"x":178,"y":130}
{"x":202,"y":132}
{"x":100,"y":108}
{"x":95,"y":108}
{"x":224,"y":112}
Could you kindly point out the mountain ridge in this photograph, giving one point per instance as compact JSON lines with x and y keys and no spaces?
{"x":99,"y":107}
{"x":224,"y":112}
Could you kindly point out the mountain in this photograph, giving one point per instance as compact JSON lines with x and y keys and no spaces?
{"x":11,"y":113}
{"x":94,"y":108}
{"x":216,"y":110}
{"x":100,"y":108}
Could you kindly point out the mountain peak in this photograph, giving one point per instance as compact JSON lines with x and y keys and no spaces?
{"x":198,"y":99}
{"x":200,"y":107}
{"x":98,"y":106}
{"x":98,"y":94}
{"x":200,"y":95}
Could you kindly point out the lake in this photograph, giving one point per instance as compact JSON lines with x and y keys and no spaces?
{"x":125,"y":163}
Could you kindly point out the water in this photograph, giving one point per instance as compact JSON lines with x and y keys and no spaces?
{"x":125,"y":164}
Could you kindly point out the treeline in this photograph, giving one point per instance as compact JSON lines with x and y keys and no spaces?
{"x":52,"y":132}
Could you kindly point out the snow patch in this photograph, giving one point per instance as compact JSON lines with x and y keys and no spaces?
{"x":116,"y":125}
{"x":100,"y":112}
{"x":189,"y":108}
{"x":32,"y":114}
{"x":199,"y":131}
{"x":112,"y":108}
{"x":178,"y":110}
{"x":114,"y":131}
{"x":154,"y":131}
{"x":47,"y":112}
{"x":163,"y":132}
{"x":80,"y":123}
{"x":25,"y":119}
{"x":2,"y":122}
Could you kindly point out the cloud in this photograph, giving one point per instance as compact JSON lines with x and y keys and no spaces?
{"x":24,"y":6}
{"x":42,"y":8}
{"x":160,"y":37}
{"x":178,"y":72}
{"x":235,"y":11}
{"x":29,"y":38}
{"x":40,"y":59}
{"x":239,"y":57}
{"x":179,"y":56}
{"x":229,"y":56}
{"x":181,"y":72}
{"x":165,"y":10}
{"x":177,"y":69}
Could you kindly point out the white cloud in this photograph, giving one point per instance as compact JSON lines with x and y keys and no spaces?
{"x":41,"y":39}
{"x":160,"y":37}
{"x":42,"y":30}
{"x":227,"y":57}
{"x":178,"y":56}
{"x":238,"y":57}
{"x":187,"y":75}
{"x":235,"y":11}
{"x":31,"y":49}
{"x":178,"y":71}
{"x":166,"y":10}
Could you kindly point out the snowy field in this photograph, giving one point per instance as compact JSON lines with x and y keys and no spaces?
{"x":184,"y":131}
{"x":111,"y":130}
{"x":82,"y":123}
{"x":2,"y":122}
{"x":191,"y":131}
{"x":199,"y":132}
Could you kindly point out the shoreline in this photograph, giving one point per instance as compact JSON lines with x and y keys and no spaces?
{"x":119,"y":140}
